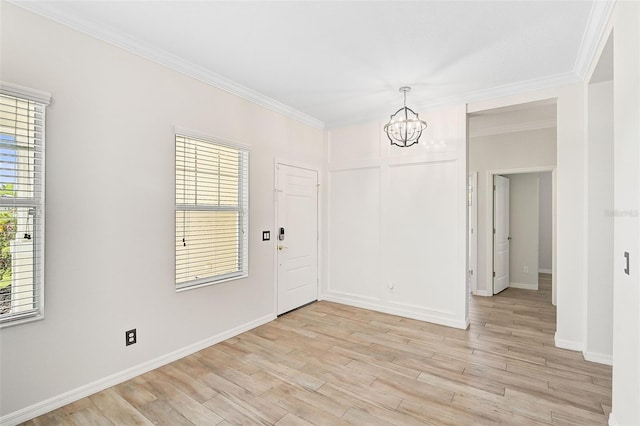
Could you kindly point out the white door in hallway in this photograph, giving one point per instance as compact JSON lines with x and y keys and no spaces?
{"x":501,"y":238}
{"x":296,"y":236}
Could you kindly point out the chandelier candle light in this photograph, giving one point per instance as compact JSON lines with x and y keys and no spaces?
{"x":405,"y":127}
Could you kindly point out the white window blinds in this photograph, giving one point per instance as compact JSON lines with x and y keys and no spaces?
{"x":21,"y":204}
{"x":212,"y":197}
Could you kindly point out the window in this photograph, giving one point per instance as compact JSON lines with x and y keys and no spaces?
{"x":22,"y":114}
{"x":212,"y":190}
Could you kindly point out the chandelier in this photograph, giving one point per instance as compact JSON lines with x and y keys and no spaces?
{"x":405,"y":127}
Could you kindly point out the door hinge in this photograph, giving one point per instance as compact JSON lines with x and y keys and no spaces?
{"x":494,"y":187}
{"x":494,"y":231}
{"x":494,"y":274}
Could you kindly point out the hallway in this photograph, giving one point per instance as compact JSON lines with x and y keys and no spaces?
{"x":524,"y":322}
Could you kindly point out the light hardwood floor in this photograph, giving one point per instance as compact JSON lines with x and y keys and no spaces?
{"x":330,"y":364}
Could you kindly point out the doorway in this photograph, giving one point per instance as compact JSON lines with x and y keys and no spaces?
{"x":519,"y":244}
{"x":296,"y":236}
{"x":519,"y":138}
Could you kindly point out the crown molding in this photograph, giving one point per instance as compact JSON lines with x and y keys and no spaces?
{"x":475,"y":132}
{"x":167,"y":59}
{"x":511,"y":89}
{"x":596,"y":27}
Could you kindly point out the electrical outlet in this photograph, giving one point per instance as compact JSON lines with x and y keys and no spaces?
{"x":130,"y":337}
{"x":526,"y":269}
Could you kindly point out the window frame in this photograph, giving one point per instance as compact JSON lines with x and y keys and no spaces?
{"x":243,"y":209}
{"x":42,"y":99}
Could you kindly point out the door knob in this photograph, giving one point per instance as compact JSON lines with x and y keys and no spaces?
{"x":281,"y":247}
{"x":509,"y":238}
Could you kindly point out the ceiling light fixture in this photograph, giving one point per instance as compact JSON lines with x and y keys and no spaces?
{"x":405,"y":127}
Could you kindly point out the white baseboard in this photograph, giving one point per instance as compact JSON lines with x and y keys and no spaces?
{"x":575,"y":345}
{"x":524,"y":286}
{"x":545,"y":271}
{"x":572,"y":345}
{"x":606,"y":359}
{"x":58,"y":401}
{"x":484,"y":293}
{"x":418,"y":314}
{"x":612,"y":420}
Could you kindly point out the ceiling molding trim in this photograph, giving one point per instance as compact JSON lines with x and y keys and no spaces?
{"x":510,"y":128}
{"x":511,"y":89}
{"x":167,"y":59}
{"x":594,"y":31}
{"x":532,"y":85}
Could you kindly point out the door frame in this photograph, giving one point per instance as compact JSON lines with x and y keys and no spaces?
{"x":274,"y":236}
{"x":489,"y":223}
{"x":473,"y":236}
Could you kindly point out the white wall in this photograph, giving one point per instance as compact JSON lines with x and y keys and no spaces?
{"x":545,"y":220}
{"x":110,"y":213}
{"x":599,"y":337}
{"x":507,"y":151}
{"x":397,"y":220}
{"x":626,"y":299}
{"x":624,"y":29}
{"x":523,"y":229}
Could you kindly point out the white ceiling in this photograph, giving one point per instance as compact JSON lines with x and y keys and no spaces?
{"x":330,"y":63}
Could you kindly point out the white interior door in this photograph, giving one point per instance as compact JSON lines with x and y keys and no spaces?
{"x":297,"y":237}
{"x":501,"y":238}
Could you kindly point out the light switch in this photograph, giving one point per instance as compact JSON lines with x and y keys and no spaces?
{"x":266,"y":235}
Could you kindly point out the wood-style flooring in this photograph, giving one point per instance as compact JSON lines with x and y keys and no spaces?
{"x":330,"y":364}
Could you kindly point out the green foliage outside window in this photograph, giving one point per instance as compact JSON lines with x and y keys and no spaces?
{"x":8,"y":226}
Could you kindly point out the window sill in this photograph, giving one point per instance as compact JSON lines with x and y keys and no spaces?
{"x":19,"y":321}
{"x":213,"y":282}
